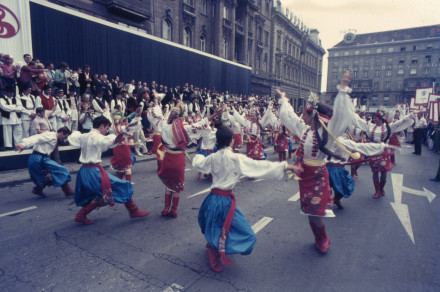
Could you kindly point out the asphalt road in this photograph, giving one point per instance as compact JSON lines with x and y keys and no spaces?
{"x":389,"y":244}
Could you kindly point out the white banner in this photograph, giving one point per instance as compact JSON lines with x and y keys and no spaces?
{"x":15,"y":28}
{"x":422,"y":95}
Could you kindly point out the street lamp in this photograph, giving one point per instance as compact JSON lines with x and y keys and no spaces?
{"x":304,"y":40}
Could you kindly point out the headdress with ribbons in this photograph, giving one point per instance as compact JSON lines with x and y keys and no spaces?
{"x":381,"y":113}
{"x":312,"y":103}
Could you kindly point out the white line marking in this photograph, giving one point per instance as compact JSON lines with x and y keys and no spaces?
{"x":200,"y":193}
{"x":18,"y":211}
{"x":173,"y":288}
{"x":257,"y":180}
{"x":294,"y":198}
{"x":261,"y":224}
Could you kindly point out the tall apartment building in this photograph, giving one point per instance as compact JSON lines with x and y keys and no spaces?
{"x":387,"y":66}
{"x":280,"y":48}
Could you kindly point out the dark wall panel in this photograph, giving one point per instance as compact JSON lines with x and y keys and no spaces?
{"x":58,"y":37}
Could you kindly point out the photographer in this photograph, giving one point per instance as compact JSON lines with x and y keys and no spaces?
{"x":86,"y":120}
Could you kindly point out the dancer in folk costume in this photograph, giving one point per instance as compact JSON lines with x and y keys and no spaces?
{"x":94,"y":186}
{"x":175,"y":137}
{"x":314,"y":185}
{"x":394,"y":138}
{"x":224,"y":226}
{"x":254,"y":147}
{"x":281,"y":134}
{"x":123,"y":158}
{"x":42,"y":169}
{"x":380,"y":131}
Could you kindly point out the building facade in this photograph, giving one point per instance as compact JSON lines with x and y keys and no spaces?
{"x":387,"y":66}
{"x":260,"y":34}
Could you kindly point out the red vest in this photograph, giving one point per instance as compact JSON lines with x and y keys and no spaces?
{"x":48,"y":104}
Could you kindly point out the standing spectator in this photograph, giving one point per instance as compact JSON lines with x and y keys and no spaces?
{"x":49,"y":104}
{"x":61,"y":76}
{"x":41,"y":124}
{"x":72,"y":100}
{"x":9,"y":71}
{"x":85,"y":80}
{"x":117,"y":101}
{"x":10,"y":108}
{"x":130,"y":87}
{"x":20,"y":64}
{"x":50,"y":73}
{"x":26,"y":73}
{"x":100,"y":106}
{"x":63,"y":113}
{"x":40,"y":80}
{"x":28,"y":113}
{"x":86,"y":120}
{"x":74,"y":80}
{"x":115,"y":86}
{"x":419,"y":130}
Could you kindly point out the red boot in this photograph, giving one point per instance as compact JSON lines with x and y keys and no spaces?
{"x":213,"y":257}
{"x":81,"y":216}
{"x":322,"y":241}
{"x":377,"y":188}
{"x":166,"y":209}
{"x":381,"y":187}
{"x":173,"y":211}
{"x":135,"y":212}
{"x":67,"y":189}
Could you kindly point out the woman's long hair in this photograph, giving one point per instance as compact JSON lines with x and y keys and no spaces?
{"x":322,"y":141}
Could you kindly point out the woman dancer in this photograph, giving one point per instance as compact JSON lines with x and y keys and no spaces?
{"x":224,"y":226}
{"x":314,"y":185}
{"x":175,"y":137}
{"x":380,"y":131}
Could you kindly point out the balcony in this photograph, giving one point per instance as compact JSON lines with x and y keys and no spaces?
{"x":188,"y":9}
{"x":226,"y":23}
{"x":129,"y":8}
{"x":239,"y":28}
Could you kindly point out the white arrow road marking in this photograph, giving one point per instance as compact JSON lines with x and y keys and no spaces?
{"x":261,"y":224}
{"x":173,"y":288}
{"x":18,"y":211}
{"x":294,"y":198}
{"x":200,"y":193}
{"x":257,"y":180}
{"x":401,"y":210}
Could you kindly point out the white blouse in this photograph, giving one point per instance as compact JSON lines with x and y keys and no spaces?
{"x":227,"y":167}
{"x":378,"y":133}
{"x":369,"y":149}
{"x":342,"y":115}
{"x":194,"y":131}
{"x":44,"y":143}
{"x":92,"y":145}
{"x":251,"y":127}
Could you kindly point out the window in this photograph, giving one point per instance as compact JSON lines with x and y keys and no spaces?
{"x":367,"y":52}
{"x":386,"y":98}
{"x":336,"y":54}
{"x":376,"y":73}
{"x":335,"y":76}
{"x":402,"y":49}
{"x":400,"y":85}
{"x":266,"y":38}
{"x":414,"y":61}
{"x":376,"y":85}
{"x":355,"y":74}
{"x":428,"y":58}
{"x":202,"y":43}
{"x":387,"y":85}
{"x":389,"y":60}
{"x":278,"y":41}
{"x":189,"y":2}
{"x":225,"y":48}
{"x":213,"y":10}
{"x":429,"y":46}
{"x":414,"y":48}
{"x":356,"y":52}
{"x":379,"y":51}
{"x":375,"y":98}
{"x":388,"y":73}
{"x":187,"y":37}
{"x":400,"y":72}
{"x":365,"y":73}
{"x":413,"y":71}
{"x":425,"y":71}
{"x":402,"y":61}
{"x":390,"y":50}
{"x":346,"y":53}
{"x":204,"y":8}
{"x":166,"y":29}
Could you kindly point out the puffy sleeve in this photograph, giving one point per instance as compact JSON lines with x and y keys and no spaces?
{"x":239,"y":119}
{"x":267,"y":118}
{"x":260,"y":168}
{"x":106,"y":142}
{"x":156,"y":118}
{"x":290,"y":119}
{"x":202,"y":163}
{"x":196,"y":130}
{"x":75,"y":138}
{"x":402,"y":124}
{"x":364,"y":148}
{"x":37,"y":139}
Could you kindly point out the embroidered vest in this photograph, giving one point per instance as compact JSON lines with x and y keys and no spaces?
{"x":24,"y":102}
{"x":48,"y":103}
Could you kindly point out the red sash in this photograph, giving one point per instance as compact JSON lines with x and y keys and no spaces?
{"x":106,"y":187}
{"x":226,"y":225}
{"x":180,"y":137}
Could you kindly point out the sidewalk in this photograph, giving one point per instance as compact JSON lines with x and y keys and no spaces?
{"x":18,"y":176}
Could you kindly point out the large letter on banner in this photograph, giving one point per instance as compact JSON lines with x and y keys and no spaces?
{"x":15,"y":28}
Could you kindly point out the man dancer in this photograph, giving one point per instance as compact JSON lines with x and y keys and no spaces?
{"x":94,"y":186}
{"x":42,"y":169}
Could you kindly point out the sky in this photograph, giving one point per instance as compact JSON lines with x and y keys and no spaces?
{"x":333,"y":18}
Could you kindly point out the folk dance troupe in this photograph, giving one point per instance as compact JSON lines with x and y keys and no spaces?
{"x":329,"y":139}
